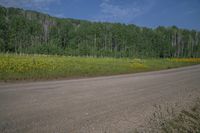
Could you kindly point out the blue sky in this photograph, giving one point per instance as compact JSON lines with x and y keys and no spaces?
{"x":149,"y":13}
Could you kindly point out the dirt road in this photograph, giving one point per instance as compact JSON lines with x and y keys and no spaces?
{"x":93,"y":105}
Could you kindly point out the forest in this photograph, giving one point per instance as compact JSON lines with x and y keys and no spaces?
{"x":31,"y":32}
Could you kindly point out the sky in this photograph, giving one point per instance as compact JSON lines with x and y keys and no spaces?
{"x":148,"y":13}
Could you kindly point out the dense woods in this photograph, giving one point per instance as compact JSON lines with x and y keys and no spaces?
{"x":33,"y":32}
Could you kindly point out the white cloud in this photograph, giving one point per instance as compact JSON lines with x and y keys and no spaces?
{"x":35,"y":4}
{"x":126,"y":11}
{"x":118,"y":11}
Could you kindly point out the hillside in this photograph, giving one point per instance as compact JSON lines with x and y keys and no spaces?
{"x":36,"y":33}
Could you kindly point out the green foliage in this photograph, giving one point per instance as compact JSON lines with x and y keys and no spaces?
{"x":32,"y":32}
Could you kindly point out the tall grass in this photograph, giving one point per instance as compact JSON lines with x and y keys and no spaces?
{"x":20,"y":67}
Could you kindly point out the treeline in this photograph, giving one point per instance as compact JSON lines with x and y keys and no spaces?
{"x":33,"y":32}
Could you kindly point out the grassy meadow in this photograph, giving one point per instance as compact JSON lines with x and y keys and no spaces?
{"x":36,"y":67}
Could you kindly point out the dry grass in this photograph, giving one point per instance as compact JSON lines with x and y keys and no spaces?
{"x":170,"y":119}
{"x":186,"y":60}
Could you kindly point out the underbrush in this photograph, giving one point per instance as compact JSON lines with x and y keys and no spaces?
{"x":166,"y":120}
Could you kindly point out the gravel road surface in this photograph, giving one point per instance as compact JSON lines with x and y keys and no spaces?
{"x":94,"y":105}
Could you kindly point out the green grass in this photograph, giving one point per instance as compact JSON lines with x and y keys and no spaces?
{"x":35,"y":67}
